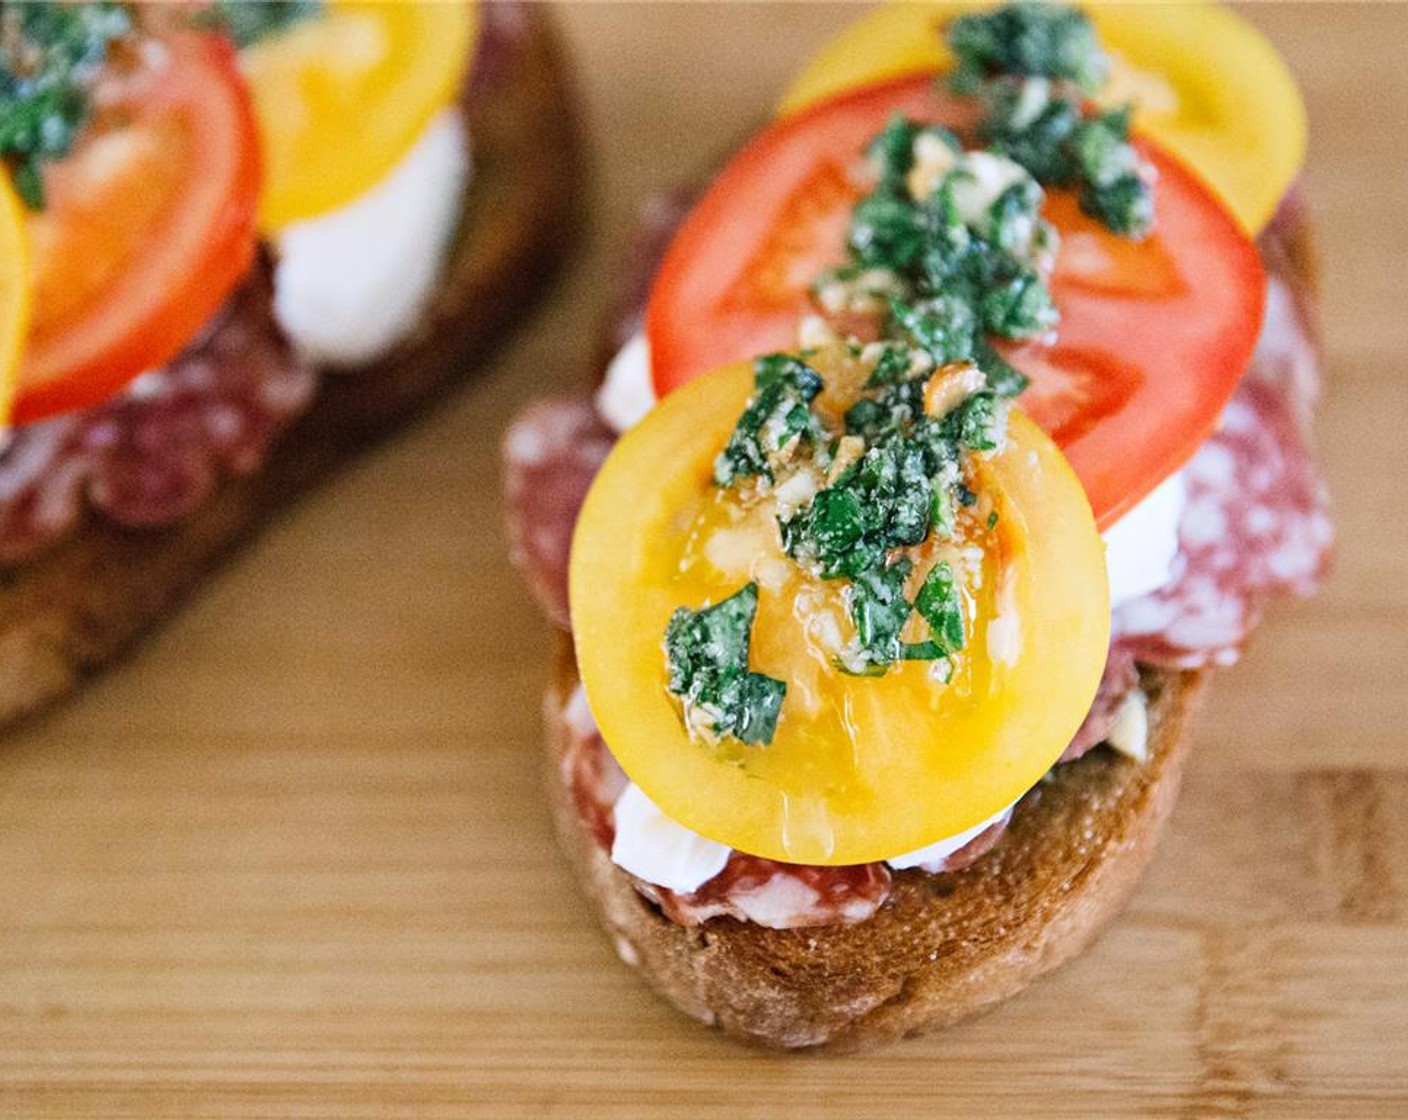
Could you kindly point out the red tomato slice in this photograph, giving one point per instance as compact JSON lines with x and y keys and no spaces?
{"x":148,"y":225}
{"x":1154,"y":335}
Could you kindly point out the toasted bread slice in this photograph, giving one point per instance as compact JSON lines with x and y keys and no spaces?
{"x":71,"y":609}
{"x":944,"y":946}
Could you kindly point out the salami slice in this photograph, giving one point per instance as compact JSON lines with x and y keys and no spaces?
{"x":1256,"y":525}
{"x":1121,"y":675}
{"x":149,"y":456}
{"x":749,"y":888}
{"x":551,"y":453}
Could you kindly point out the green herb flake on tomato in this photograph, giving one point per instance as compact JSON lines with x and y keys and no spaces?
{"x":706,"y":651}
{"x":1033,"y":66}
{"x":248,"y":21}
{"x":50,"y":55}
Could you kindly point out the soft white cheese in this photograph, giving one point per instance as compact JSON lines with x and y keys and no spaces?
{"x":653,"y":847}
{"x":659,"y":850}
{"x":933,"y":854}
{"x":627,"y":394}
{"x":352,"y":283}
{"x":1130,"y":735}
{"x":1140,"y":548}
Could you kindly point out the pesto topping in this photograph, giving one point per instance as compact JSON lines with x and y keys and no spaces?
{"x":946,"y":253}
{"x":894,"y":477}
{"x":1033,"y":40}
{"x":248,"y":21}
{"x":776,"y":420}
{"x":1034,"y":66}
{"x":50,"y":56}
{"x":948,"y":249}
{"x":707,"y":654}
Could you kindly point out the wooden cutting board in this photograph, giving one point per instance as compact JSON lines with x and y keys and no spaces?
{"x":291,"y":860}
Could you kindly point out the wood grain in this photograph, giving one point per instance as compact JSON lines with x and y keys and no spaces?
{"x":290,"y":859}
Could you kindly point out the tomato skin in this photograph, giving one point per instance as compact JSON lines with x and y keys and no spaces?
{"x":340,"y":98}
{"x":130,"y":263}
{"x":1205,"y":84}
{"x":861,"y":768}
{"x":1153,"y":337}
{"x":14,"y":290}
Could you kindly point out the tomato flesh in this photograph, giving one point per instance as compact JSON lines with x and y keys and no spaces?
{"x":860,"y":768}
{"x":147,"y":227}
{"x":1153,"y":338}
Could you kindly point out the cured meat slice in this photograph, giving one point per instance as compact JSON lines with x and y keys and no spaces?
{"x":551,"y":453}
{"x":148,"y":457}
{"x":1256,"y":525}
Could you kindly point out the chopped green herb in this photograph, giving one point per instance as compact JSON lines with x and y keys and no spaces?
{"x":707,"y":655}
{"x":944,"y":325}
{"x":1112,"y":190}
{"x":884,"y":501}
{"x":891,"y":368}
{"x":248,"y":21}
{"x":778,"y":413}
{"x":1018,"y":307}
{"x":893,"y":152}
{"x":879,"y":610}
{"x":939,"y":604}
{"x":1031,"y":40}
{"x":50,"y":54}
{"x":1034,"y":65}
{"x":977,"y":423}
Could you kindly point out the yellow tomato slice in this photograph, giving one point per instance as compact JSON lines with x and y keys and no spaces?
{"x":14,"y":291}
{"x":860,"y":768}
{"x":342,"y":97}
{"x":1207,"y":86}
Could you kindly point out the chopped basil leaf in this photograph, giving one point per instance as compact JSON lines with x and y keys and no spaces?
{"x":1112,"y":189}
{"x":1034,"y":66}
{"x":1018,"y":307}
{"x":893,"y":151}
{"x":976,"y":424}
{"x":707,"y":655}
{"x":1028,"y":39}
{"x":879,"y":610}
{"x":1004,"y":379}
{"x":944,"y":326}
{"x":882,"y":502}
{"x":939,"y":604}
{"x":891,"y":368}
{"x":50,"y":55}
{"x":778,"y":413}
{"x":248,"y":21}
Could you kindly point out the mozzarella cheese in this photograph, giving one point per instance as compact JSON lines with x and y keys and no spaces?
{"x":1140,"y":548}
{"x":653,"y":847}
{"x":659,"y":850}
{"x":932,"y":856}
{"x":352,"y":283}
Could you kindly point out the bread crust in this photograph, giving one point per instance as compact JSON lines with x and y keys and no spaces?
{"x":944,"y":946}
{"x":69,"y":610}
